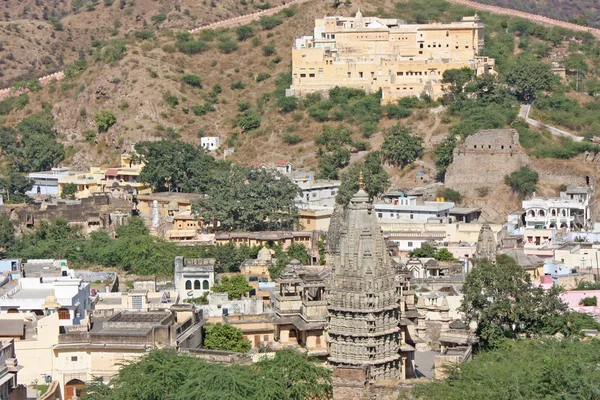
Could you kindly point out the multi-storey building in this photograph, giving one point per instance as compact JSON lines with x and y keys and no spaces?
{"x":570,"y":211}
{"x":372,"y":53}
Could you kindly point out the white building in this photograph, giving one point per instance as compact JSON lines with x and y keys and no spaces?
{"x":8,"y":369}
{"x":317,"y":194}
{"x":570,"y":211}
{"x":398,"y":207}
{"x":193,"y":276}
{"x":47,"y":286}
{"x":210,"y":143}
{"x":46,"y":182}
{"x":583,"y":256}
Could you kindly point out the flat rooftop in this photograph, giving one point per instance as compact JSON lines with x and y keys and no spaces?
{"x":32,"y":294}
{"x":139,"y":317}
{"x":171,"y":196}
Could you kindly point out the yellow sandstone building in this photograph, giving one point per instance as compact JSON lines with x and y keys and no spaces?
{"x":372,"y":53}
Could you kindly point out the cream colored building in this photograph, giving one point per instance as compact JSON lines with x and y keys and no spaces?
{"x":371,"y":53}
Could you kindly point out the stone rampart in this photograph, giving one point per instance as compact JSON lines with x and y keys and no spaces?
{"x":44,"y":80}
{"x":245,"y":19}
{"x":484,"y":159}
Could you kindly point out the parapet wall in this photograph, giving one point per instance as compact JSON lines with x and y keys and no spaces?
{"x":44,"y":80}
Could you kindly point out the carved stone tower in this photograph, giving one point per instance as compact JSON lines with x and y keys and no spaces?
{"x":486,"y":244}
{"x":362,"y":302}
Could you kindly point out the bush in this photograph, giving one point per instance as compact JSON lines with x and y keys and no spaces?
{"x":192,"y":80}
{"x":263,"y":76}
{"x":144,"y":35}
{"x":248,"y":120}
{"x":268,"y":49}
{"x":291,"y":138}
{"x":104,"y":120}
{"x":288,"y":104}
{"x":114,"y":51}
{"x":244,"y":32}
{"x":397,"y":112}
{"x":289,"y":12}
{"x":450,"y":195}
{"x":523,"y":181}
{"x":202,"y":109}
{"x":171,"y":100}
{"x":76,"y":68}
{"x":269,"y":22}
{"x":192,"y":46}
{"x":589,"y":301}
{"x":237,"y":85}
{"x":227,"y":45}
{"x":158,"y":18}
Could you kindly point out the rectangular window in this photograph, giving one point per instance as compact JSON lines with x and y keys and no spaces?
{"x":74,"y":358}
{"x":302,"y":75}
{"x":349,"y":74}
{"x":410,"y":244}
{"x":360,"y":74}
{"x":311,"y":75}
{"x":379,"y":215}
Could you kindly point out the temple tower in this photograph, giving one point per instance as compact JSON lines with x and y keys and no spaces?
{"x":362,"y":301}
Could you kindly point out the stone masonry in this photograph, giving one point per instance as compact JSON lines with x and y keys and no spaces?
{"x":483,"y":160}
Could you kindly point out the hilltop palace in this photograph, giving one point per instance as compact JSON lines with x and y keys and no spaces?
{"x":376,"y":53}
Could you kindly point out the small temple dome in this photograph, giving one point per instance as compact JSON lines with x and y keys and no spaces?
{"x":173,"y":206}
{"x":264,"y":254}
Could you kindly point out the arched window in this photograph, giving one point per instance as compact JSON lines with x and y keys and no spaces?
{"x":64,"y":313}
{"x":554,"y":213}
{"x":542,"y":213}
{"x":196,"y":284}
{"x":205,"y":285}
{"x":188,"y":285}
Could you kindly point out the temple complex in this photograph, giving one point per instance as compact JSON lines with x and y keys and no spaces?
{"x":366,"y":340}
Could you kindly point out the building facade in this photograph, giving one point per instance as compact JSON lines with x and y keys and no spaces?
{"x":210,"y":143}
{"x":570,"y":211}
{"x":193,"y":276}
{"x":397,"y":207}
{"x":385,"y":54}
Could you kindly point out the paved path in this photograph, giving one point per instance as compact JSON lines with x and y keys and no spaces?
{"x":524,"y":113}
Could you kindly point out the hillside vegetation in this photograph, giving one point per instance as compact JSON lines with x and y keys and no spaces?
{"x":582,"y":12}
{"x":149,"y":80}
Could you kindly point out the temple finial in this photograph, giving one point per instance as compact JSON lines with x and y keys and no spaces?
{"x":361,"y":181}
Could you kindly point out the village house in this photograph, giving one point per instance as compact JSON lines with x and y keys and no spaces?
{"x":386,"y":54}
{"x":570,"y":211}
{"x":193,"y":277}
{"x":9,"y":368}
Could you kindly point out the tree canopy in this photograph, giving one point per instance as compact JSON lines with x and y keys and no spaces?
{"x":251,"y":200}
{"x":376,"y":178}
{"x":503,"y":302}
{"x":526,"y":75}
{"x":167,"y":375}
{"x":400,"y":147}
{"x":235,"y":286}
{"x":523,"y":369}
{"x":523,"y":181}
{"x":225,"y":337}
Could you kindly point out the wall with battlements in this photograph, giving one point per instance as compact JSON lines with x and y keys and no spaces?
{"x":483,"y":160}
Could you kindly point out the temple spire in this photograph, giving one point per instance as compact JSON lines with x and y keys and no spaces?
{"x":361,"y":181}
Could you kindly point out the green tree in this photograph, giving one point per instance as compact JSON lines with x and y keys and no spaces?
{"x":225,"y":337}
{"x":449,"y":194}
{"x":192,"y":80}
{"x":425,"y":251}
{"x":175,"y":166}
{"x":503,"y":303}
{"x":69,"y":190}
{"x":400,"y":148}
{"x":251,"y":200}
{"x":523,"y":181}
{"x":244,"y":32}
{"x":455,"y":80}
{"x":7,"y":233}
{"x":298,"y":251}
{"x":14,"y":186}
{"x":444,"y":254}
{"x":104,"y":120}
{"x":522,"y":369}
{"x":526,"y":75}
{"x":444,"y":155}
{"x":376,"y":178}
{"x":235,"y":286}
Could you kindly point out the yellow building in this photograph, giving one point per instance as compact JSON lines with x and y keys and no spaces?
{"x":119,"y":182}
{"x":380,"y":53}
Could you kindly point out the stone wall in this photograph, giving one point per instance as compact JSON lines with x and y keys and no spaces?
{"x":483,"y":160}
{"x":44,"y":80}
